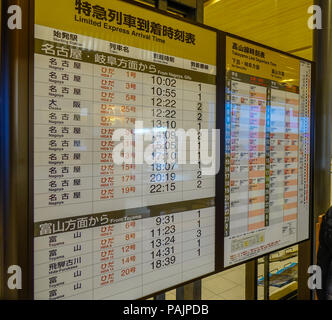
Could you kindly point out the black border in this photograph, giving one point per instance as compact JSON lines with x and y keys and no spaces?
{"x":218,"y":244}
{"x":220,"y":178}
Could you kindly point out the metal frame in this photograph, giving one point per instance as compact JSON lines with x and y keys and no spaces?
{"x":323,"y":153}
{"x":14,"y":165}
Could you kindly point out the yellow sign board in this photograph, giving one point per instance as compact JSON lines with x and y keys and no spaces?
{"x":120,"y":22}
{"x":250,"y":59}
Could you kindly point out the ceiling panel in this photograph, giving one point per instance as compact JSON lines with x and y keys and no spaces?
{"x":278,"y":23}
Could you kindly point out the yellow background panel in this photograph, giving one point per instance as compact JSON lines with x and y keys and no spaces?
{"x":62,"y":16}
{"x":281,"y":24}
{"x":272,"y":61}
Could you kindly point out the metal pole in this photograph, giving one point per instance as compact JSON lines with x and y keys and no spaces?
{"x":161,"y":296}
{"x":14,"y":153}
{"x":199,"y":11}
{"x":267,"y":277}
{"x":304,"y":260}
{"x":191,"y":291}
{"x":251,"y":280}
{"x":323,"y":111}
{"x":322,"y":52}
{"x":162,"y":4}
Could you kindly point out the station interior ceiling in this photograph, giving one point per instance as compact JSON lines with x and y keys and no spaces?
{"x":281,"y":24}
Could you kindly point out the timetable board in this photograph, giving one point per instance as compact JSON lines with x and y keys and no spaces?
{"x":104,"y":230}
{"x":267,"y":150}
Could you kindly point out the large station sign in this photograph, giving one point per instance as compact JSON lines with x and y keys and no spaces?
{"x":117,"y":213}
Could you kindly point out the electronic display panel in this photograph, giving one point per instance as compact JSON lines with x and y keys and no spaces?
{"x":267,"y":150}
